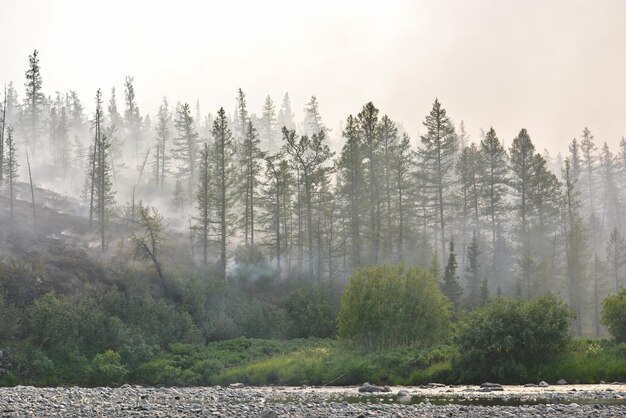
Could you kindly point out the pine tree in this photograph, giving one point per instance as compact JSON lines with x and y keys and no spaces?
{"x":469,"y":171}
{"x":2,"y":131}
{"x":439,"y":147}
{"x":223,"y":184}
{"x":616,"y":258}
{"x":403,"y":184}
{"x":34,"y":100}
{"x":185,"y":148}
{"x":278,"y":182}
{"x":451,"y":287}
{"x":369,"y":129}
{"x":148,"y":242}
{"x":522,"y":152}
{"x":132,"y":117}
{"x":472,"y":273}
{"x":313,"y":124}
{"x":495,"y":190}
{"x":162,"y":136}
{"x":242,"y":117}
{"x":309,"y":155}
{"x":351,"y":170}
{"x":611,"y":202}
{"x":11,"y":165}
{"x":389,"y":144}
{"x":268,"y":124}
{"x":203,"y":201}
{"x":251,"y":156}
{"x":285,"y":115}
{"x":588,"y":148}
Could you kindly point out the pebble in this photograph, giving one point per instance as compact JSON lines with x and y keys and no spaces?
{"x":274,"y":402}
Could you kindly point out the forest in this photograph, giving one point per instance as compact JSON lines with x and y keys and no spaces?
{"x":129,"y":233}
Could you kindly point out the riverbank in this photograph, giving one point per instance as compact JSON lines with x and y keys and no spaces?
{"x":347,"y":401}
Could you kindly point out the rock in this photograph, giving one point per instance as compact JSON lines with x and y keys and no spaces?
{"x":269,"y":413}
{"x":530,"y":385}
{"x":367,"y":388}
{"x":491,"y":385}
{"x":436,"y":385}
{"x":403,"y":397}
{"x":236,"y":385}
{"x":561,"y":382}
{"x":543,"y":384}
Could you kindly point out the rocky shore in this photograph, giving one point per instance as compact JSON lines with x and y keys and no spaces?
{"x":240,"y":401}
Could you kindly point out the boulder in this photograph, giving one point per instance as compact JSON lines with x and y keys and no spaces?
{"x":236,"y":385}
{"x":543,"y":384}
{"x":403,"y":397}
{"x":561,"y":382}
{"x":269,"y":413}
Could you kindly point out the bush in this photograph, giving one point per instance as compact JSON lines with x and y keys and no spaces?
{"x":500,"y":341}
{"x":614,"y":315}
{"x":107,"y":370}
{"x":386,"y":307}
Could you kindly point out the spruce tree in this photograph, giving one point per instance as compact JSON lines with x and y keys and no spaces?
{"x":439,"y":147}
{"x":250,"y":160}
{"x":472,"y":273}
{"x":162,"y":136}
{"x":34,"y":100}
{"x":10,"y":168}
{"x":451,"y":287}
{"x":616,"y":258}
{"x":132,"y":117}
{"x":223,"y":185}
{"x":185,"y":145}
{"x":203,"y":201}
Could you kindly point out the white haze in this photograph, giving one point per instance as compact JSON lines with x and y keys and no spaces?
{"x":550,"y":66}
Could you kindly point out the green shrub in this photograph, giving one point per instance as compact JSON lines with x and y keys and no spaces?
{"x":614,"y":315}
{"x":107,"y":370}
{"x":500,"y":341}
{"x":385,"y":307}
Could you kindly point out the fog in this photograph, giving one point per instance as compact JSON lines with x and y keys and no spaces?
{"x":551,"y":67}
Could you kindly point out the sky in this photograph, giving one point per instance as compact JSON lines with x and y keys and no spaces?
{"x":550,"y":66}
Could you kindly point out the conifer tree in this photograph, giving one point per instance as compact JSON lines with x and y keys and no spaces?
{"x":132,"y":117}
{"x":11,"y":165}
{"x":439,"y":147}
{"x":451,"y":287}
{"x":279,"y":179}
{"x":223,"y":184}
{"x":351,"y":170}
{"x":2,"y":131}
{"x":34,"y":100}
{"x":588,"y":148}
{"x":185,"y":148}
{"x":389,"y":144}
{"x":251,"y":156}
{"x":203,"y":202}
{"x":496,"y":179}
{"x":472,"y":273}
{"x":616,"y":258}
{"x":285,"y":115}
{"x":268,"y":124}
{"x":162,"y":136}
{"x":403,"y":185}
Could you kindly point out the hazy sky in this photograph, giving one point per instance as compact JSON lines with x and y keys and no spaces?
{"x":550,"y":66}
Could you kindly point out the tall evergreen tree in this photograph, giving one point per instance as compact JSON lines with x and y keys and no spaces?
{"x":132,"y":117}
{"x":203,"y":202}
{"x":496,"y":178}
{"x":185,"y":148}
{"x":162,"y":136}
{"x":472,"y":273}
{"x":10,"y":168}
{"x":34,"y":100}
{"x":285,"y":114}
{"x":268,"y":125}
{"x":251,"y":157}
{"x":588,"y":148}
{"x":451,"y":287}
{"x":223,"y":184}
{"x":439,"y":147}
{"x":616,"y":258}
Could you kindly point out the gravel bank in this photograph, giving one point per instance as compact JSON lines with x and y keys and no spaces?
{"x":444,"y":401}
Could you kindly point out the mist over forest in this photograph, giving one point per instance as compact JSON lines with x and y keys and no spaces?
{"x":190,"y":224}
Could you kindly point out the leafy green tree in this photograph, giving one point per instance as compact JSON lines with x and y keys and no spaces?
{"x":614,"y":315}
{"x":501,"y":341}
{"x":390,"y":306}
